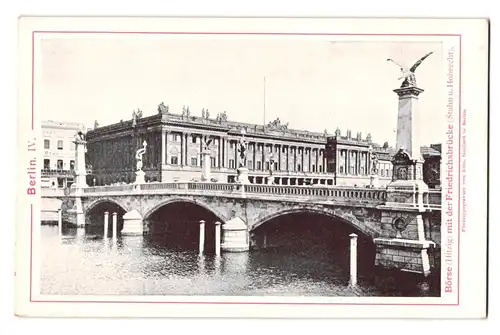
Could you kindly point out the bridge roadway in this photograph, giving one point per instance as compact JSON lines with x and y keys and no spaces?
{"x":407,"y":234}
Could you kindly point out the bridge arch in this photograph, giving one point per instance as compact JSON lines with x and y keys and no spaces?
{"x":88,"y":208}
{"x":175,"y":223}
{"x":329,"y":212}
{"x":194,"y":201}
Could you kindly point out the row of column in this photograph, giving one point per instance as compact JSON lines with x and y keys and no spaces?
{"x":344,"y":159}
{"x":227,"y":146}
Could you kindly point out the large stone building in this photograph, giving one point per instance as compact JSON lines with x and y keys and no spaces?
{"x":174,"y":143}
{"x":58,"y":153}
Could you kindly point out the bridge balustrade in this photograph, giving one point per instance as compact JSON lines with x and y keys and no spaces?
{"x":431,"y":199}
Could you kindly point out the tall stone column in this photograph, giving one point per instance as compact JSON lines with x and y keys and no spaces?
{"x":405,"y":194}
{"x":183,"y":144}
{"x":226,"y":152}
{"x":80,"y":168}
{"x":302,"y":159}
{"x":163,"y":147}
{"x":188,"y":135}
{"x":165,"y":143}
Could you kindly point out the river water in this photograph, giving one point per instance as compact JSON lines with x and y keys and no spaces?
{"x":86,"y":264}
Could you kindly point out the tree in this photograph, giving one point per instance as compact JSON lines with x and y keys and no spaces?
{"x":386,"y":145}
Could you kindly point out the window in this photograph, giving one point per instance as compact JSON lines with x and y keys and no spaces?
{"x":231,"y":163}
{"x":46,"y":164}
{"x":60,"y":164}
{"x":46,"y":144}
{"x":341,"y":169}
{"x":283,"y":149}
{"x":59,"y":144}
{"x":194,"y":139}
{"x":175,"y":137}
{"x":231,"y":145}
{"x":174,"y":160}
{"x":270,"y":149}
{"x":313,"y":168}
{"x":194,"y":161}
{"x":259,"y":165}
{"x":276,"y":166}
{"x":320,"y":168}
{"x":250,"y":164}
{"x":212,"y":161}
{"x":387,"y":172}
{"x":267,"y":166}
{"x":71,"y":164}
{"x":299,"y":167}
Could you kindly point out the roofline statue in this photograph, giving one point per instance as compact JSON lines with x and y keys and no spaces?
{"x":408,"y":73}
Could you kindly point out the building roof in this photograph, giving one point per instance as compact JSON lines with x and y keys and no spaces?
{"x":429,"y":152}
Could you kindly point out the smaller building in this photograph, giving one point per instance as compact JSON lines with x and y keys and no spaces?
{"x":59,"y":153}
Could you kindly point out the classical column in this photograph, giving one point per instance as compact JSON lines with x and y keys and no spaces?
{"x":236,"y":156}
{"x":295,"y":158}
{"x":219,"y":153}
{"x":217,"y":237}
{"x":263,"y":160}
{"x":302,"y":159}
{"x":186,"y":148}
{"x":163,"y":145}
{"x":317,"y":159}
{"x":287,"y":147}
{"x":181,"y":163}
{"x":254,"y":147}
{"x":226,"y":152}
{"x":348,"y":159}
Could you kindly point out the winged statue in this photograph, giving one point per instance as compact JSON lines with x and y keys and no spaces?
{"x":206,"y":144}
{"x":408,"y":73}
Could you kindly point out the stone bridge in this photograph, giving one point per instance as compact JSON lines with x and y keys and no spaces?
{"x":405,"y":231}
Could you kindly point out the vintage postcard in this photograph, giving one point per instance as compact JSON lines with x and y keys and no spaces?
{"x":245,"y":167}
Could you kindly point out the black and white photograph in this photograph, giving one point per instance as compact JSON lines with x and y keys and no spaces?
{"x":244,"y":166}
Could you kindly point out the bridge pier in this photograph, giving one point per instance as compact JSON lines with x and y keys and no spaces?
{"x":132,"y":223}
{"x":235,"y":236}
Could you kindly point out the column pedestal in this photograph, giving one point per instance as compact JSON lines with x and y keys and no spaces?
{"x":242,"y":177}
{"x":205,"y":168}
{"x":403,"y":254}
{"x":132,"y":224}
{"x":234,"y":236}
{"x":139,"y":177}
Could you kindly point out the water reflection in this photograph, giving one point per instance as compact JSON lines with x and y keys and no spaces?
{"x":86,"y":263}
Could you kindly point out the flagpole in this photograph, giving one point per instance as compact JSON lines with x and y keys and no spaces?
{"x":264,"y":101}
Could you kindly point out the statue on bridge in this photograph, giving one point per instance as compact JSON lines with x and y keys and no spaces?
{"x":138,"y":155}
{"x":139,"y":174}
{"x":242,"y":149}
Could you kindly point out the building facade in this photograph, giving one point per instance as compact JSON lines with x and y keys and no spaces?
{"x":58,"y":153}
{"x":174,"y":143}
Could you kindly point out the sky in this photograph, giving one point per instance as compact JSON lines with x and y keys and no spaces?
{"x":311,"y":84}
